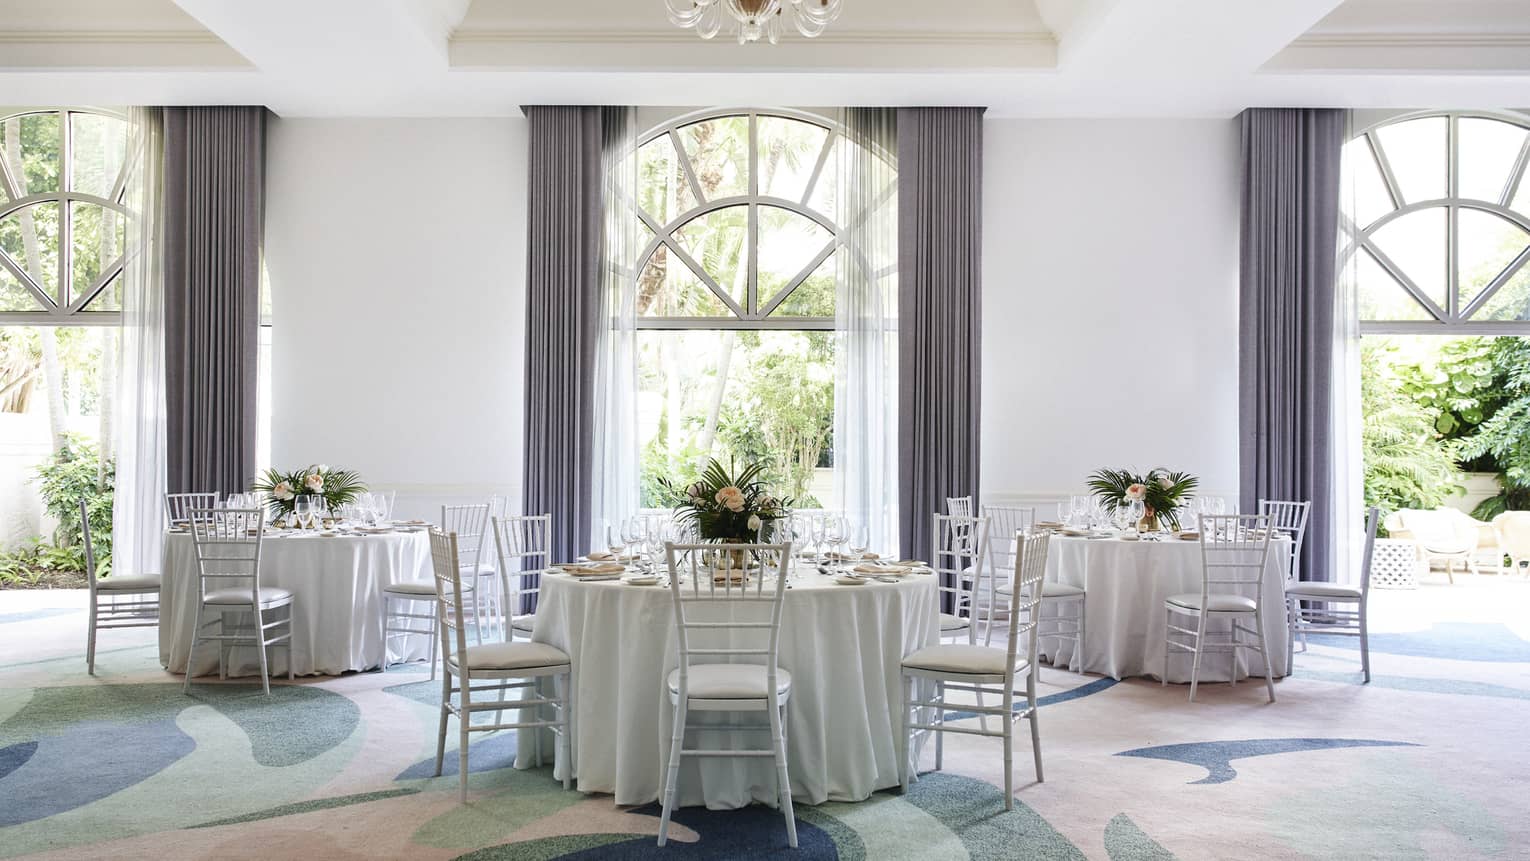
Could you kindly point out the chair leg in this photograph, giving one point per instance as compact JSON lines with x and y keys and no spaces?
{"x":434,"y":642}
{"x":1079,"y":650}
{"x":904,"y":741}
{"x":783,"y":784}
{"x":1293,"y":612}
{"x":563,"y":742}
{"x":477,"y":618}
{"x":1168,"y":637}
{"x":464,"y":723}
{"x":573,"y":723}
{"x":1200,"y":641}
{"x":260,"y":644}
{"x":1030,"y":701}
{"x":672,"y":772}
{"x":196,"y":630}
{"x":90,"y":638}
{"x":1009,"y":754}
{"x":1264,"y":652}
{"x":446,"y":696}
{"x":291,"y":672}
{"x":940,"y":720}
{"x":1365,"y":643}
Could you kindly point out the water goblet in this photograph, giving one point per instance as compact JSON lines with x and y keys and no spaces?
{"x":860,"y":541}
{"x":302,"y":508}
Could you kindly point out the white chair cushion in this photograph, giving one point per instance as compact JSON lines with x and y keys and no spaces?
{"x":514,"y":656}
{"x":270,"y":596}
{"x":949,"y":622}
{"x":141,"y":583}
{"x":1060,"y":590}
{"x":417,"y":588}
{"x":729,"y":682}
{"x":961,"y":659}
{"x":1217,"y":603}
{"x":1332,"y":591}
{"x":524,"y":623}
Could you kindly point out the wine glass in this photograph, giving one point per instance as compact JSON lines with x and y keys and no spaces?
{"x":614,"y":543}
{"x":802,"y":532}
{"x":1135,"y":509}
{"x":632,"y":533}
{"x":1078,"y":511}
{"x":834,"y":535}
{"x":819,"y":530}
{"x":860,"y":541}
{"x":303,"y":509}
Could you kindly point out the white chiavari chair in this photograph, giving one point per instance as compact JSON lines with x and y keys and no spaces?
{"x":178,"y":506}
{"x":1289,"y":519}
{"x":524,"y":547}
{"x":1234,"y":550}
{"x":508,"y":666}
{"x":959,"y":545}
{"x":130,"y":601}
{"x":1324,"y":618}
{"x":983,"y":670}
{"x":1062,"y":605}
{"x":228,"y":542}
{"x":739,"y":677}
{"x":470,"y":523}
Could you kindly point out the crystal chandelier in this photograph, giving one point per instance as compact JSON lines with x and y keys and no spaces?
{"x":755,"y":18}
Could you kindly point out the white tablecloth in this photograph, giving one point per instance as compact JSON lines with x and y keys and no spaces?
{"x":337,"y":604}
{"x":842,"y":644}
{"x":1126,"y":584}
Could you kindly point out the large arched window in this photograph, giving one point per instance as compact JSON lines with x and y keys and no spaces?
{"x":735,"y":296}
{"x":1441,"y":220}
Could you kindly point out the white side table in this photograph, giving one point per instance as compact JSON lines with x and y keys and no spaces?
{"x":1394,"y":564}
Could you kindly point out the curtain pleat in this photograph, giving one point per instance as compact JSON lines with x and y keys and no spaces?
{"x":940,"y":241}
{"x":214,"y":210}
{"x":1289,"y":241}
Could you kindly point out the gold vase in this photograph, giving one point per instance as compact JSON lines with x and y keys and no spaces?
{"x":1149,"y":521}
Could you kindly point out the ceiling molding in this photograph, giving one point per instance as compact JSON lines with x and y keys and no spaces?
{"x":116,"y":37}
{"x":88,"y":49}
{"x":1413,"y":40}
{"x":860,"y":50}
{"x":1406,"y":53}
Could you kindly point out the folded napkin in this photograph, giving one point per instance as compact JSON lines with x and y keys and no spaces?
{"x":911,"y":563}
{"x":594,"y":568}
{"x":599,"y":555}
{"x":893,"y":570}
{"x":1190,"y":536}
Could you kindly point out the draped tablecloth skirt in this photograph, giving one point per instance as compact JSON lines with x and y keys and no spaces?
{"x":337,"y":602}
{"x":1127,"y":583}
{"x":842,"y":644}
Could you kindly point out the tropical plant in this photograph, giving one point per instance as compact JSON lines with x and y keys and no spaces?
{"x":1504,"y":436}
{"x":726,"y":504}
{"x":1460,"y":384}
{"x":1405,"y":465}
{"x":73,"y":473}
{"x":1160,"y":490}
{"x":337,"y":486}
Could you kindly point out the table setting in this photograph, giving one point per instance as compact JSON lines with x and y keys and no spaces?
{"x":843,"y":633}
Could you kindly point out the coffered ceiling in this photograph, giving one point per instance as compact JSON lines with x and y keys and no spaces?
{"x":1019,"y":57}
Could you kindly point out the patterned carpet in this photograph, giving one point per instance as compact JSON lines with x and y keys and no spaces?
{"x":1427,"y":761}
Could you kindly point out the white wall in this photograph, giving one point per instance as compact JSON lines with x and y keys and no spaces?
{"x":396,"y":252}
{"x":1110,"y":307}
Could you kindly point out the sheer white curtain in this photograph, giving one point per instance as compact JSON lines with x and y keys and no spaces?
{"x":1348,"y":464}
{"x":614,"y":484}
{"x":138,"y":512}
{"x":866,"y":324}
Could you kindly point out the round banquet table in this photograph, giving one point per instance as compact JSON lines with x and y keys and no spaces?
{"x":1126,"y":584}
{"x":337,"y":601}
{"x":842,"y":644}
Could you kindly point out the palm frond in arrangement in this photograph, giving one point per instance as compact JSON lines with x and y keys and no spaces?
{"x":337,"y":486}
{"x":725,"y":505}
{"x":1162,"y":491}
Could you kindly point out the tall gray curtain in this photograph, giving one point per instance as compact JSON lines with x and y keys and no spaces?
{"x":940,"y":244}
{"x":1289,"y":239}
{"x":214,"y":209}
{"x":564,"y":310}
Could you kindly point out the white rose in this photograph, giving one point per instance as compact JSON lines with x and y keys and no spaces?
{"x":754,"y":523}
{"x":282,"y":491}
{"x":1164,"y":482}
{"x":315,"y":483}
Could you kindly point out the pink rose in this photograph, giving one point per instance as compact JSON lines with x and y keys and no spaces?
{"x":1136,"y":491}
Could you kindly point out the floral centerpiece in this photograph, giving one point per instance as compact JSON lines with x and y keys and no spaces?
{"x":337,"y":486}
{"x":727,"y":507}
{"x":1160,"y":491}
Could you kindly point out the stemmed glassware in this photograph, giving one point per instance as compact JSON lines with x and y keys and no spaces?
{"x":302,"y":508}
{"x":860,"y":541}
{"x":632,"y":533}
{"x":1135,"y":509}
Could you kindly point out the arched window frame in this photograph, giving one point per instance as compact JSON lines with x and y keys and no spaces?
{"x":73,"y":306}
{"x":1456,"y":316}
{"x":753,"y":314}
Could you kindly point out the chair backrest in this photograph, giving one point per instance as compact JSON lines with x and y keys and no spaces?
{"x":90,"y":549}
{"x":1372,"y":520}
{"x":1030,"y":566}
{"x":1004,"y":521}
{"x":959,"y":506}
{"x":1513,"y":530}
{"x":1234,"y":552}
{"x":746,"y":612}
{"x":524,"y":546}
{"x":228,"y":542}
{"x":1290,"y":518}
{"x":178,"y":506}
{"x":958,"y":545}
{"x":470,"y":523}
{"x":446,"y":564}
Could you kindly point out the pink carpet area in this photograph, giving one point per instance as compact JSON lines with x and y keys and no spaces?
{"x":1427,"y":761}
